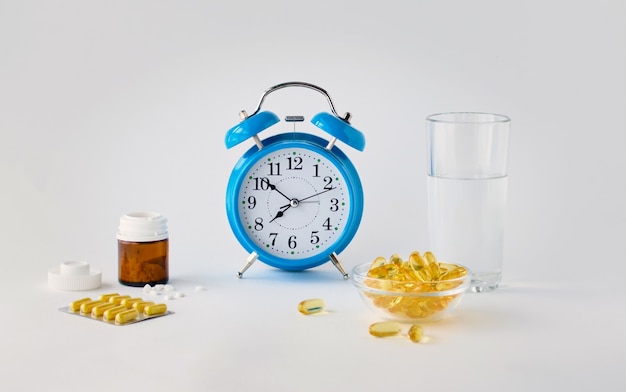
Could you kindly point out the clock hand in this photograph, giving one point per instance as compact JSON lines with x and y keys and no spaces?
{"x":318,"y":193}
{"x":273,"y":187}
{"x":281,"y":212}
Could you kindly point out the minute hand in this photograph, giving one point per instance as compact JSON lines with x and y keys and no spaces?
{"x":318,"y":193}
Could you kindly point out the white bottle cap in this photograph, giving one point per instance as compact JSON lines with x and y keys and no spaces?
{"x":142,"y":227}
{"x":74,"y":276}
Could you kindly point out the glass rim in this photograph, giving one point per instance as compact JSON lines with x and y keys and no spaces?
{"x":474,"y":118}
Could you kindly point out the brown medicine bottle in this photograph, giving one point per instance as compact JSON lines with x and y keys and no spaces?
{"x":142,"y":249}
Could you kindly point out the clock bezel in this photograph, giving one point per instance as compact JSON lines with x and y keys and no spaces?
{"x":317,"y":145}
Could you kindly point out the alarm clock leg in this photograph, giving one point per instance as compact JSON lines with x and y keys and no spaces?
{"x":336,"y":263}
{"x":249,"y":261}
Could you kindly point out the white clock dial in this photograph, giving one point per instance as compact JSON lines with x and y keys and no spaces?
{"x":294,"y":203}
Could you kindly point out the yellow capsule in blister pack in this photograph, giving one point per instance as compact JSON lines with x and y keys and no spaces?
{"x":129,"y":302}
{"x":87,"y":306}
{"x":107,"y":297}
{"x":154,"y":310}
{"x":75,"y":306}
{"x":117,"y":299}
{"x":110,"y":314}
{"x":141,"y":305}
{"x":126,"y":316}
{"x":99,"y":310}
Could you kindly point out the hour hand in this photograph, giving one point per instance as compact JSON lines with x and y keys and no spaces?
{"x":281,"y":212}
{"x":273,"y":187}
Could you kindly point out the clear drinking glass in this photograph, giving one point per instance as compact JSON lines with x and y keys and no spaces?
{"x":467,"y":189}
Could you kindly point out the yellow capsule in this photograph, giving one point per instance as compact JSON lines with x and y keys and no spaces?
{"x":126,"y":316}
{"x":430,"y":257}
{"x":378,"y":262}
{"x":75,"y":306}
{"x":154,"y":310}
{"x":107,"y":297}
{"x":98,"y":310}
{"x":117,"y":299}
{"x":395,"y":259}
{"x":416,"y":332}
{"x":310,"y":306}
{"x":110,"y":314}
{"x":140,"y":306}
{"x":129,"y":302}
{"x":87,"y":306}
{"x":385,"y":328}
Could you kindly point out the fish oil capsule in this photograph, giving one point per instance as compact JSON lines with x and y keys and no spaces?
{"x":98,"y":310}
{"x":385,"y":328}
{"x":117,"y":299}
{"x":126,"y":316}
{"x":141,"y":305}
{"x":107,"y":297}
{"x":75,"y":306}
{"x":128,"y":302}
{"x":154,"y":310}
{"x":311,"y":306}
{"x":416,"y":332}
{"x":110,"y":314}
{"x":88,"y":306}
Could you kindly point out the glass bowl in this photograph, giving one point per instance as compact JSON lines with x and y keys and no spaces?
{"x":410,"y":300}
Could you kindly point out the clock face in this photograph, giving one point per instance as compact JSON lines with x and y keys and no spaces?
{"x":296,"y":204}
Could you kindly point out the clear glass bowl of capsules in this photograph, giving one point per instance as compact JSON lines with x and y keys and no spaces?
{"x":403,"y":295}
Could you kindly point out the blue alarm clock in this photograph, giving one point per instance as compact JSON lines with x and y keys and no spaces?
{"x":294,"y":200}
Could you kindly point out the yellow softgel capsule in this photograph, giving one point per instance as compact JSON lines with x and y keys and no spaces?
{"x":416,"y":332}
{"x":311,"y":306}
{"x":88,"y":306}
{"x":126,"y":316}
{"x":75,"y":306}
{"x":141,"y":305}
{"x":154,"y":310}
{"x":107,"y":297}
{"x":98,"y":310}
{"x":110,"y":314}
{"x":385,"y":328}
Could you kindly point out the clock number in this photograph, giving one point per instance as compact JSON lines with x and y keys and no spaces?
{"x":261,"y":183}
{"x":274,"y":165}
{"x":251,"y":202}
{"x":317,"y":170}
{"x":328,"y":180}
{"x":334,"y":204}
{"x":295,"y":163}
{"x":273,"y":237}
{"x":292,"y":242}
{"x":258,"y":224}
{"x":327,"y":224}
{"x":314,"y":237}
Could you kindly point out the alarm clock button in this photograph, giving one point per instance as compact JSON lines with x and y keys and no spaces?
{"x":340,"y":129}
{"x":250,"y":127}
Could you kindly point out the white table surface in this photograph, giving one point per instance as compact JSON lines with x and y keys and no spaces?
{"x":112,"y":107}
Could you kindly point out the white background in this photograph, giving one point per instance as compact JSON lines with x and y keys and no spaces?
{"x":108,"y":107}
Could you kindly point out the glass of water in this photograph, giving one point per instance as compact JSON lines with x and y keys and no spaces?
{"x":467,"y":188}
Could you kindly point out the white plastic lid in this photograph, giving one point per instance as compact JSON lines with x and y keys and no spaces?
{"x":142,"y":227}
{"x":74,"y":276}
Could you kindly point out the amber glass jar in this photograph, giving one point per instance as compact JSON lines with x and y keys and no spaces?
{"x":142,"y":249}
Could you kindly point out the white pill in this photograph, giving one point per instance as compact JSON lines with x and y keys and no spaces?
{"x":179,"y":295}
{"x":168,"y":287}
{"x":199,"y":288}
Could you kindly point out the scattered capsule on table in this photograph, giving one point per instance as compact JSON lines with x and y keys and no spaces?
{"x":110,"y":314}
{"x":75,"y":306}
{"x":416,"y":332}
{"x":385,"y":328}
{"x":98,"y":310}
{"x":154,"y":310}
{"x":311,"y":306}
{"x":88,"y":306}
{"x":126,"y":316}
